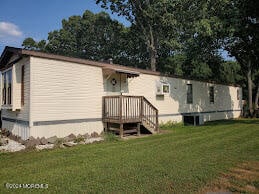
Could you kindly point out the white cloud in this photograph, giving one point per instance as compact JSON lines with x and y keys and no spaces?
{"x":8,"y":29}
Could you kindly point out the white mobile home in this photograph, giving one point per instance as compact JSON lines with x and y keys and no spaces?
{"x":44,"y":95}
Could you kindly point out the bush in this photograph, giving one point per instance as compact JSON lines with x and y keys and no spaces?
{"x":59,"y":143}
{"x":79,"y":139}
{"x":108,"y":136}
{"x":170,"y":125}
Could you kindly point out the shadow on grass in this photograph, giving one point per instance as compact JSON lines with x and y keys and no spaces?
{"x":232,"y":121}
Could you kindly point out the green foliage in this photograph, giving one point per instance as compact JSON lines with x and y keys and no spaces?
{"x":91,"y":36}
{"x":179,"y":37}
{"x":59,"y":142}
{"x":110,"y":137}
{"x":230,"y":71}
{"x":30,"y":149}
{"x":31,"y":44}
{"x":242,"y":32}
{"x":172,"y":65}
{"x":154,"y":21}
{"x":79,"y":139}
{"x":200,"y":70}
{"x":170,"y":125}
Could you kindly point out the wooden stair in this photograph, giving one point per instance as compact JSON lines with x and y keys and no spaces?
{"x":129,"y":110}
{"x":149,"y":128}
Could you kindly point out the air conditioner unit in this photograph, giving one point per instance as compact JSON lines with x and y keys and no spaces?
{"x":159,"y":89}
{"x":162,"y":88}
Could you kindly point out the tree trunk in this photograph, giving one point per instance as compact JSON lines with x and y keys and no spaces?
{"x":250,"y":89}
{"x":152,"y":59}
{"x":257,"y":100}
{"x":152,"y":49}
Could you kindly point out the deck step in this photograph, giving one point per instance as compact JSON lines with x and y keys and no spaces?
{"x":148,"y":127}
{"x":125,"y":131}
{"x":114,"y":129}
{"x":130,"y":131}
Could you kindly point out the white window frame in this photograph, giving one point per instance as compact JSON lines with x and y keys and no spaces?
{"x":6,"y":92}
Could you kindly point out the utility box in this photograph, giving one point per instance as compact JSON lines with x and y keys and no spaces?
{"x":193,"y":119}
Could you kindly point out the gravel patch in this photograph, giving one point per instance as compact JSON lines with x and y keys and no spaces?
{"x":95,"y":139}
{"x":47,"y":146}
{"x":12,"y":146}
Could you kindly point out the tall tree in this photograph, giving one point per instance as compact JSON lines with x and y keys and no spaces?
{"x":90,"y":36}
{"x":156,"y":20}
{"x":243,"y":39}
{"x":226,"y":24}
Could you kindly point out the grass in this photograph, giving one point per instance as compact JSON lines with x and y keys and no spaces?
{"x":243,"y":178}
{"x":181,"y":161}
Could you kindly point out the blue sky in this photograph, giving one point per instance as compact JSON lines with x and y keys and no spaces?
{"x":20,"y":19}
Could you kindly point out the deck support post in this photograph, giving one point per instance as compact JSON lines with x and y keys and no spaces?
{"x":157,"y":127}
{"x":138,"y":129}
{"x":106,"y":127}
{"x":121,"y":129}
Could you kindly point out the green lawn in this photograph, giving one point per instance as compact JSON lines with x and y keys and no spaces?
{"x":181,"y":161}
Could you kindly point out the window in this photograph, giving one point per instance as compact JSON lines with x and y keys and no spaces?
{"x":211,"y":92}
{"x":189,"y":94}
{"x":22,"y":86}
{"x":166,"y":88}
{"x":4,"y":88}
{"x":238,"y":94}
{"x":7,"y":87}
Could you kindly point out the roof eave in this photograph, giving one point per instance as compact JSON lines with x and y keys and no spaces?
{"x":7,"y":54}
{"x":9,"y":51}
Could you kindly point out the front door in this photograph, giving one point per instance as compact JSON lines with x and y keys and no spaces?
{"x":116,"y":84}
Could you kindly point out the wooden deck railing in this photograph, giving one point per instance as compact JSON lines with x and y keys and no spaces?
{"x":150,"y":114}
{"x":130,"y":109}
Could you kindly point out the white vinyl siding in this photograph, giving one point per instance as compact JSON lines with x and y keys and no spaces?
{"x":65,"y":91}
{"x":175,"y":102}
{"x":62,"y":130}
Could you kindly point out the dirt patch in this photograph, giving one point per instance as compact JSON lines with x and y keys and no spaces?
{"x":162,"y":131}
{"x":126,"y":137}
{"x":244,"y":178}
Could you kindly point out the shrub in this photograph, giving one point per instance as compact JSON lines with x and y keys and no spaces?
{"x":170,"y":125}
{"x":79,"y":139}
{"x":108,"y":136}
{"x":59,"y":143}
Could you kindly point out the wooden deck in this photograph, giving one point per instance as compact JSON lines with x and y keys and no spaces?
{"x":129,"y":109}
